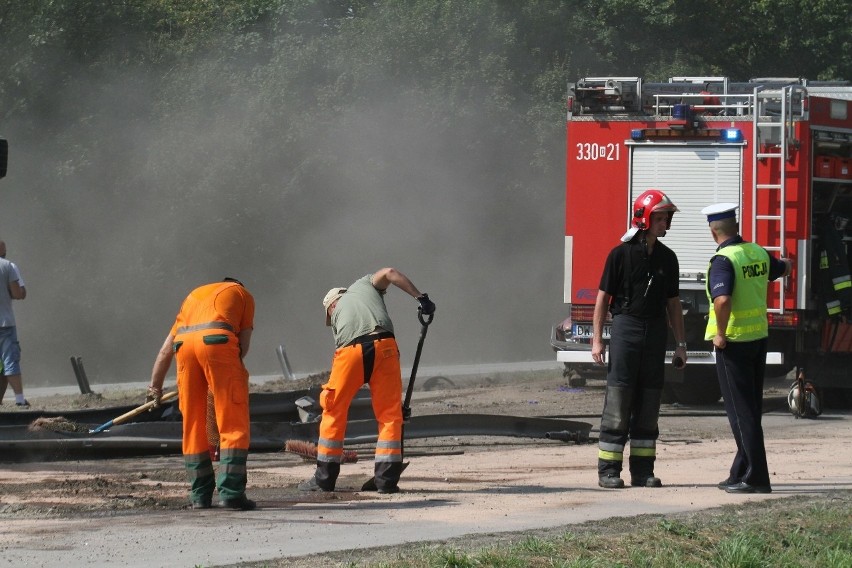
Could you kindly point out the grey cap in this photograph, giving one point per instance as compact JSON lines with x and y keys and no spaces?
{"x":333,"y":295}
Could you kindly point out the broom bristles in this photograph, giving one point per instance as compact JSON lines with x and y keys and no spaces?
{"x":308,"y":451}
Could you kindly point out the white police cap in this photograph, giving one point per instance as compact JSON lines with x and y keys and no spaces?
{"x":720,"y":211}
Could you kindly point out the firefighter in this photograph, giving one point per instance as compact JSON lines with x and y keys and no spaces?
{"x":737,"y":280}
{"x":210,"y":337}
{"x":833,"y":280}
{"x":639,"y":287}
{"x":366,"y":353}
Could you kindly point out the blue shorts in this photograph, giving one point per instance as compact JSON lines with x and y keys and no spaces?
{"x":10,"y":351}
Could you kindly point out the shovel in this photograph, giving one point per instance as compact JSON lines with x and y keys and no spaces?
{"x":135,"y":412}
{"x":370,"y":484}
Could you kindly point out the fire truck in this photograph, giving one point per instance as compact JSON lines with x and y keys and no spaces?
{"x":780,"y":148}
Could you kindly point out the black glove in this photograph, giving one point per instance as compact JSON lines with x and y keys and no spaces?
{"x":154,"y":394}
{"x":427,"y":306}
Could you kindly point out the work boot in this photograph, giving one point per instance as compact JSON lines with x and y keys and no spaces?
{"x":610,"y":481}
{"x":205,"y":503}
{"x":241,"y":503}
{"x":312,"y":485}
{"x":649,"y":481}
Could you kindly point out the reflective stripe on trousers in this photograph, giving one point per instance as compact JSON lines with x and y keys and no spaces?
{"x":634,"y":389}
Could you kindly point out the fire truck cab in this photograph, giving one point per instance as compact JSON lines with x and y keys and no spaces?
{"x":780,"y":148}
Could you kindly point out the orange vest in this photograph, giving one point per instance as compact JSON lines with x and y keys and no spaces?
{"x":227,"y":305}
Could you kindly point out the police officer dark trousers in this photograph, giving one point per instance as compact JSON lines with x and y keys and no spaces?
{"x":741,"y":368}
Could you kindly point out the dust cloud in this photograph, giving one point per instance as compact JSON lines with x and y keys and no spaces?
{"x":109,"y":240}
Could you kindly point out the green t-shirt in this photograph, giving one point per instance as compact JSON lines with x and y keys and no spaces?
{"x":361,"y":310}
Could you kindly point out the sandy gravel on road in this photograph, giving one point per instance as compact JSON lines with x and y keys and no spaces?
{"x":102,"y":513}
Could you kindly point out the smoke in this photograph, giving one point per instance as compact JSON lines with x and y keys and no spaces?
{"x":115,"y":219}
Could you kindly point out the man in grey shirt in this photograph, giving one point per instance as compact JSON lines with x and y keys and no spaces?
{"x":10,"y":351}
{"x":366,"y":353}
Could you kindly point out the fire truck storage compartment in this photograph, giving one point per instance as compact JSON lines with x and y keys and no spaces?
{"x":692,"y":176}
{"x":828,"y":348}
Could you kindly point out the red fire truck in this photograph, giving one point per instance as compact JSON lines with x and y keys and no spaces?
{"x":780,"y":148}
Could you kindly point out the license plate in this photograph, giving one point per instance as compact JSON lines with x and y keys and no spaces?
{"x":584,"y":330}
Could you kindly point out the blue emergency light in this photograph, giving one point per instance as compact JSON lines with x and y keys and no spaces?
{"x":732,"y":135}
{"x":637,"y":134}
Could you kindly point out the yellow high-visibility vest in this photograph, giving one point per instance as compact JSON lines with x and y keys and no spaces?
{"x":748,"y":302}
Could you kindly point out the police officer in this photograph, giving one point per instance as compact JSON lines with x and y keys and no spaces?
{"x":640,"y":288}
{"x":737,"y":280}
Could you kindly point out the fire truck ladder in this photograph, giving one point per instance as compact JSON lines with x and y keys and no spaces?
{"x":773,"y":136}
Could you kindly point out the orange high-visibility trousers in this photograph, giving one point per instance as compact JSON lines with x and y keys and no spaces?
{"x":375,"y":363}
{"x":210,"y":360}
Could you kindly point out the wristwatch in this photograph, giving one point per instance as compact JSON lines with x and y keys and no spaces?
{"x":681,"y":344}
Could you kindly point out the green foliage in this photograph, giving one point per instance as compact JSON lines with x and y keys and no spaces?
{"x":781,"y":38}
{"x":677,"y":528}
{"x":740,"y":551}
{"x":788,"y":533}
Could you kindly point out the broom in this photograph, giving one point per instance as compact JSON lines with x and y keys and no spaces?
{"x":308,"y":451}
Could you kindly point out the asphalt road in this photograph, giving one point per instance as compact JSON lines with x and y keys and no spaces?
{"x":487,"y":489}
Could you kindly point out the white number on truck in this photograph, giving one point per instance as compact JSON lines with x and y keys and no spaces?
{"x":595,"y":151}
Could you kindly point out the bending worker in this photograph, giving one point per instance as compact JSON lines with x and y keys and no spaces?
{"x":639,"y":286}
{"x":366,"y":353}
{"x":209,"y":338}
{"x":737,"y":281}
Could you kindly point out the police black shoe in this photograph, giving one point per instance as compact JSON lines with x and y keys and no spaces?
{"x":743,"y":487}
{"x":241,"y":503}
{"x":649,"y":481}
{"x":390,"y":489}
{"x":610,"y":482}
{"x":312,"y":485}
{"x":730,"y":482}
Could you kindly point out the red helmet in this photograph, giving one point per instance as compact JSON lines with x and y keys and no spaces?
{"x":650,"y":201}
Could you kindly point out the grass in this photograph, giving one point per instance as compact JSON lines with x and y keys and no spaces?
{"x":803,"y":531}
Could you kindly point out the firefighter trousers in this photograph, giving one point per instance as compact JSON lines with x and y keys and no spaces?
{"x":634,"y":387}
{"x":741,"y":368}
{"x":211,"y":362}
{"x":374,"y":362}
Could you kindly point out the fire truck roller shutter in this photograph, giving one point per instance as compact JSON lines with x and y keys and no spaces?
{"x":692,"y":177}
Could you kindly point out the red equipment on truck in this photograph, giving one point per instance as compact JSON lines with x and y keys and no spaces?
{"x":779,"y":148}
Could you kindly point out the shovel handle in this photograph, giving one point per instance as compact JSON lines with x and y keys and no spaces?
{"x":424,"y":327}
{"x":135,"y":412}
